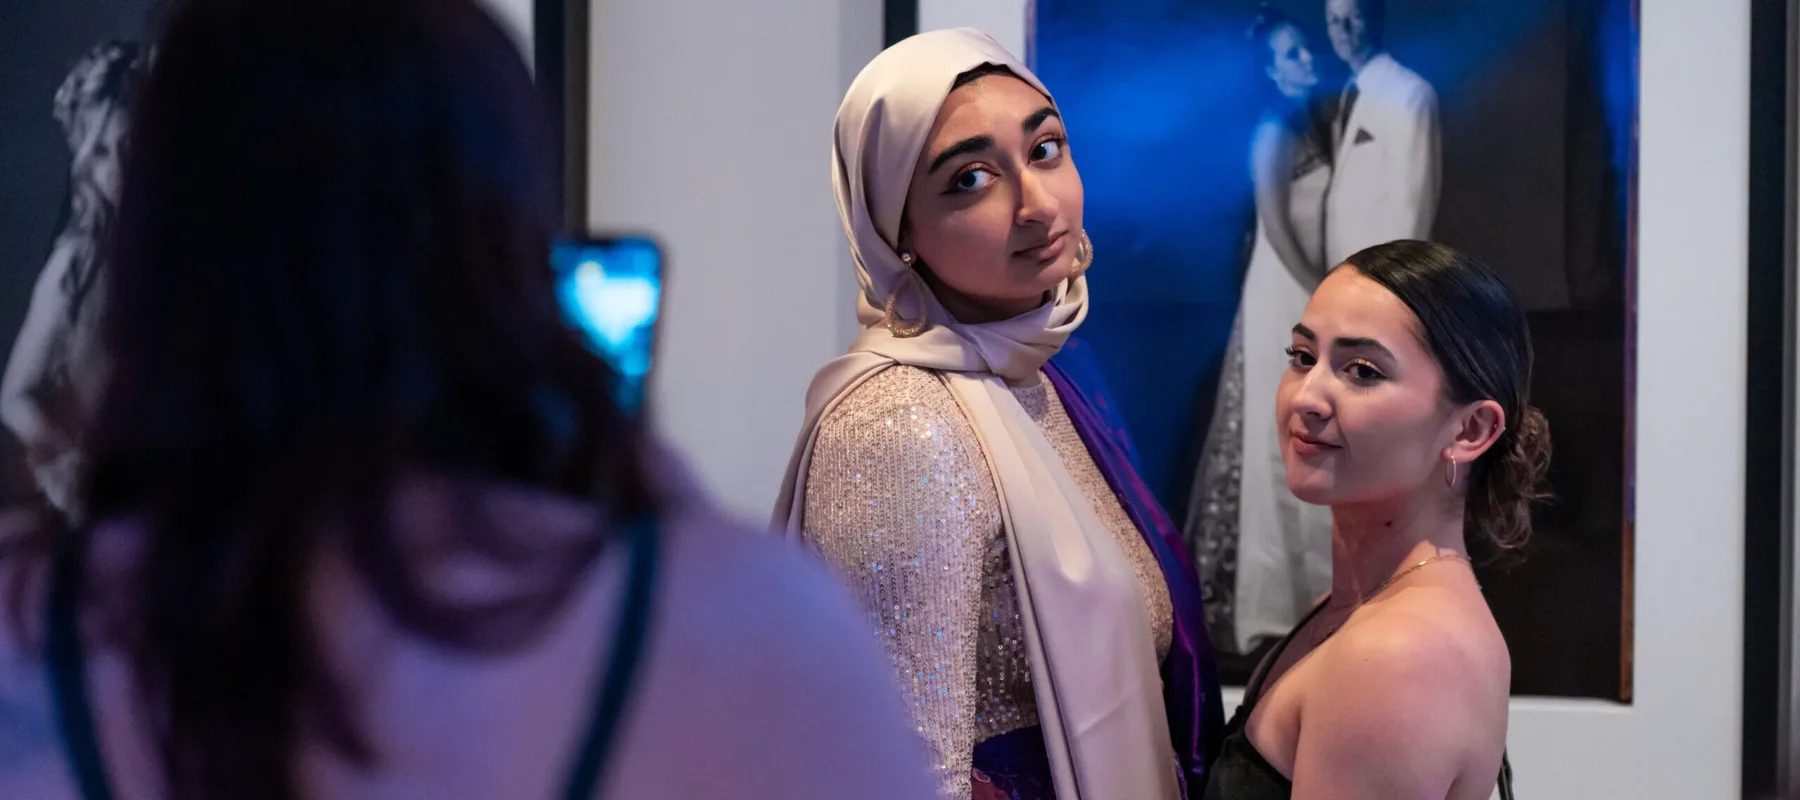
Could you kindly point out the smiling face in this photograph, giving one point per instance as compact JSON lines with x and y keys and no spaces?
{"x":1362,"y":407}
{"x":994,"y":207}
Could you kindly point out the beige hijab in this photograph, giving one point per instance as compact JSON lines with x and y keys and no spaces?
{"x":1093,"y":659}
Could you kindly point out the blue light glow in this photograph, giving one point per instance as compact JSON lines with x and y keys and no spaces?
{"x":612,"y":293}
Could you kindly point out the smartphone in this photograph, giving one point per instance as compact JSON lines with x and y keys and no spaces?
{"x":610,"y":289}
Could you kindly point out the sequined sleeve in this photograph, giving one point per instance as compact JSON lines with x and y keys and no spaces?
{"x":900,"y":501}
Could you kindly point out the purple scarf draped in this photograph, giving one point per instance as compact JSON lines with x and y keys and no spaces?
{"x":1190,"y":675}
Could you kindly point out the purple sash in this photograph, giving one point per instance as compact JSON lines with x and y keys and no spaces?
{"x":1190,"y":675}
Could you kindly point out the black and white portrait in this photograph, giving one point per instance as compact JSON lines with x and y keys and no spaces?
{"x":1234,"y":151}
{"x":68,"y":74}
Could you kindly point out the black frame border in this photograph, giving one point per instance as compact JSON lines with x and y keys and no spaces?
{"x":560,"y":46}
{"x":899,"y":19}
{"x":1768,"y":709}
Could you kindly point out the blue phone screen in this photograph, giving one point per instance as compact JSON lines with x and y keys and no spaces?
{"x":611,"y":291}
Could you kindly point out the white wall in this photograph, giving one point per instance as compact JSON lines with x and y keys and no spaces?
{"x":711,"y":130}
{"x":1002,"y":19}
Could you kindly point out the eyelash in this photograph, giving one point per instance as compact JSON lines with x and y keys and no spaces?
{"x":1062,"y":148}
{"x":1296,"y":355}
{"x":1373,"y":376}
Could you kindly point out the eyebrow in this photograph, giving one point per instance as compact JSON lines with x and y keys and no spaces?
{"x":973,"y":144}
{"x":1345,"y":342}
{"x":1037,"y":119}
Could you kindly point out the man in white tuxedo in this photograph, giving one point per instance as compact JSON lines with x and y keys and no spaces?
{"x":1385,"y":140}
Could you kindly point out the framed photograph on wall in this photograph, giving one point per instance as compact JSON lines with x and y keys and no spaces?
{"x":68,"y":71}
{"x":1508,"y":128}
{"x":1771,"y":691}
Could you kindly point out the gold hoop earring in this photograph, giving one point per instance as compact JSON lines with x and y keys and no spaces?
{"x":1450,"y":474}
{"x":1084,"y":256}
{"x":891,"y":317}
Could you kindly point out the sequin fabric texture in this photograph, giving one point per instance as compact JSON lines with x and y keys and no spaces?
{"x":901,"y":503}
{"x":1212,"y":527}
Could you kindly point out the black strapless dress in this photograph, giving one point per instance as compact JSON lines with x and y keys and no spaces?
{"x":1241,"y":773}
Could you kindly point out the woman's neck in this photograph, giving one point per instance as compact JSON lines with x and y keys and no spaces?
{"x":1371,"y":542}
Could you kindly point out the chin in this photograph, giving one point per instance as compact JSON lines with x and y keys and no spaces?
{"x":1033,"y":287}
{"x":1312,"y":485}
{"x":1311,"y":493}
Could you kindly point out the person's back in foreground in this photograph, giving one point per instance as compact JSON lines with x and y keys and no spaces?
{"x":368,"y":522}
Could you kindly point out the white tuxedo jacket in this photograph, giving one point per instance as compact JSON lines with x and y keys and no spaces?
{"x":1385,"y":169}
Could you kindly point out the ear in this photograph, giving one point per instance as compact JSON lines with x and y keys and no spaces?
{"x":1478,"y":426}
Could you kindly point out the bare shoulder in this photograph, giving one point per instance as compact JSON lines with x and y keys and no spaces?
{"x":1425,"y":672}
{"x":745,"y":573}
{"x":755,"y":606}
{"x":760,"y":661}
{"x":1410,"y":700}
{"x":1272,"y":139}
{"x":1424,"y":645}
{"x":1431,"y":640}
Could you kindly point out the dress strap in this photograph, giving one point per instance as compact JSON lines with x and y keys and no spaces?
{"x":74,"y":712}
{"x":1504,"y":784}
{"x":68,"y":671}
{"x":1253,"y":692}
{"x":616,"y":682}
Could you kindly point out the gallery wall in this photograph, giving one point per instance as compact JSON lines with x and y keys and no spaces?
{"x":711,"y":130}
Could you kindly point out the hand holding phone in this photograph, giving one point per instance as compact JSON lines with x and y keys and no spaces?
{"x":610,"y":289}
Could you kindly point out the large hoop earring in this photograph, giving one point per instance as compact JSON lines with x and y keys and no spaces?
{"x":891,"y":317}
{"x":1084,"y":256}
{"x":1450,"y":474}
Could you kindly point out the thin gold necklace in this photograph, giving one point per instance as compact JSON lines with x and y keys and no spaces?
{"x":1381,"y":587}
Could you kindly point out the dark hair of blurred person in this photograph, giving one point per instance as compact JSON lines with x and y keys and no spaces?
{"x":360,"y":494}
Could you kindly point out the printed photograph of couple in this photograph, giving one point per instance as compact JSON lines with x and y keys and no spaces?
{"x":1233,"y":152}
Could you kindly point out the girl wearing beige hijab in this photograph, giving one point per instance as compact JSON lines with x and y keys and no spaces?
{"x":1034,"y":601}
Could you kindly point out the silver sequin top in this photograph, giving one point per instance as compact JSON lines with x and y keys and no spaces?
{"x":901,"y":502}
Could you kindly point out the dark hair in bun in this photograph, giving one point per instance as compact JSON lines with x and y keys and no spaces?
{"x":1476,"y":330}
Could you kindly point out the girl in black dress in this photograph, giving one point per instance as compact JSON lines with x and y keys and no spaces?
{"x":1403,"y":409}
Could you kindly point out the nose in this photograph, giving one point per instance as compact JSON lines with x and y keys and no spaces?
{"x":1312,"y":398}
{"x":1036,"y":204}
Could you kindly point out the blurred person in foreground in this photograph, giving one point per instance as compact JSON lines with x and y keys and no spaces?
{"x":366,"y":520}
